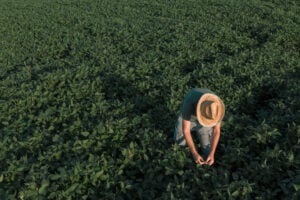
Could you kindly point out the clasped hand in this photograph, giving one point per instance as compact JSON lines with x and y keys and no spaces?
{"x":199,"y":160}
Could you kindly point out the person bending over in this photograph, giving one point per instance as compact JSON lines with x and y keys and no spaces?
{"x":201,"y":114}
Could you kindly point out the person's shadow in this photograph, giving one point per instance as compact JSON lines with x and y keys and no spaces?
{"x":146,"y":104}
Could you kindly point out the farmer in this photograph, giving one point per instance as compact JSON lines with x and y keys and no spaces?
{"x":201,"y":114}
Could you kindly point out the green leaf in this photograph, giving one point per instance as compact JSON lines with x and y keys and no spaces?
{"x":131,"y":145}
{"x":72,"y":188}
{"x":55,"y":177}
{"x":235,"y":193}
{"x":296,"y":187}
{"x":85,"y":133}
{"x":181,"y":172}
{"x":291,"y":157}
{"x":99,"y":174}
{"x":44,"y":186}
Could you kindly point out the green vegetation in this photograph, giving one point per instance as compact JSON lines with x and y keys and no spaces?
{"x":90,"y":91}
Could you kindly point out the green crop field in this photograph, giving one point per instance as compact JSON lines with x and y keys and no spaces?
{"x":90,"y":91}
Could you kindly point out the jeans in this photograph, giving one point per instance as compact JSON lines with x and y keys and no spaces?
{"x":204,"y":135}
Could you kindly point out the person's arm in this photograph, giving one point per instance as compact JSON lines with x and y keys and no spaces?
{"x":214,"y":143}
{"x":186,"y":126}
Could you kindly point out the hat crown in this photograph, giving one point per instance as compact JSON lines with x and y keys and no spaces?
{"x":209,"y":109}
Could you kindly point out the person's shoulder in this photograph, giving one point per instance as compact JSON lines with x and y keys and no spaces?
{"x":201,"y":90}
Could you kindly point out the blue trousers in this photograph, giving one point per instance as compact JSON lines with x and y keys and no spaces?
{"x":204,"y":135}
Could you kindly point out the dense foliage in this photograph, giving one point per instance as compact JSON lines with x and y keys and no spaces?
{"x":90,"y":91}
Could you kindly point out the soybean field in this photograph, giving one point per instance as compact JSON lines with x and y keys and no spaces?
{"x":90,"y":91}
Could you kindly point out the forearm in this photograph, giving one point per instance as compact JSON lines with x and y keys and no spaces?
{"x":215,"y":141}
{"x":190,"y":142}
{"x":186,"y":128}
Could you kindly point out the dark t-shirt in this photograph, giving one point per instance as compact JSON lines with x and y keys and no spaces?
{"x":189,"y":104}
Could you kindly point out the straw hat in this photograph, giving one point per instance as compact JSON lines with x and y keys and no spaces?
{"x":210,"y":110}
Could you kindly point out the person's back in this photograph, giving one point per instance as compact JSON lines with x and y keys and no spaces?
{"x":188,"y":108}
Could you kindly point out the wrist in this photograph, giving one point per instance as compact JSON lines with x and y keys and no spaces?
{"x":194,"y":152}
{"x":212,"y":154}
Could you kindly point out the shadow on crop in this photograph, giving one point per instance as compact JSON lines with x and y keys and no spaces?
{"x":145,"y":107}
